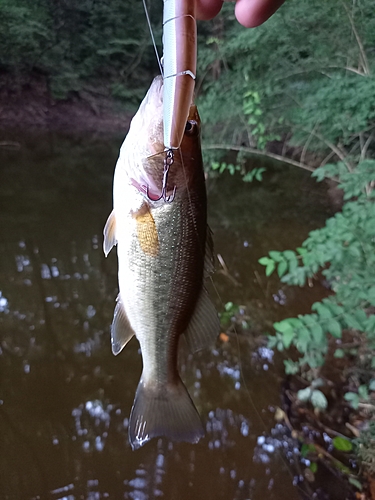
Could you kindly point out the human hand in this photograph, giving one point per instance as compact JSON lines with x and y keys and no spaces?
{"x":249,"y":13}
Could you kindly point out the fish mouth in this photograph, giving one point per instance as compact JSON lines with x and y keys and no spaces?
{"x":143,"y":188}
{"x":151,"y":191}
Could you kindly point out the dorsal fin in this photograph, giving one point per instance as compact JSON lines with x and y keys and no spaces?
{"x":204,"y":326}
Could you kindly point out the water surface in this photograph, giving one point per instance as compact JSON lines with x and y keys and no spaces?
{"x":65,"y":399}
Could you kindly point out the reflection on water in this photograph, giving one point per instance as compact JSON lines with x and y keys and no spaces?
{"x":65,"y":400}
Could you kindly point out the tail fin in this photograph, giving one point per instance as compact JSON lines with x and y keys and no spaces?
{"x":166,"y":411}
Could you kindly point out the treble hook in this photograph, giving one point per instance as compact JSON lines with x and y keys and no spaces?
{"x":168,"y":161}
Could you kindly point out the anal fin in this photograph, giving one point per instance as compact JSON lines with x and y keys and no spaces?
{"x":204,"y":326}
{"x":121,"y":331}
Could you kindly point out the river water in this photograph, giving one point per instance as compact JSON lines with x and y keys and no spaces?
{"x":65,"y":399}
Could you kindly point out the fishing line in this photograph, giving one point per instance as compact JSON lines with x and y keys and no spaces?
{"x":153,"y":38}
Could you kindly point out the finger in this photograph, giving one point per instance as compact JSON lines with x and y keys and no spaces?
{"x":207,"y":9}
{"x":252,"y":13}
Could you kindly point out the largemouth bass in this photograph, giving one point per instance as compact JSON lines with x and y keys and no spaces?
{"x":164,"y":250}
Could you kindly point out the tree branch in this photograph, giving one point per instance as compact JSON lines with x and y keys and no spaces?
{"x":325,"y":160}
{"x":363,"y":57}
{"x":331,"y":146}
{"x":306,"y":145}
{"x":254,"y":151}
{"x":366,"y":145}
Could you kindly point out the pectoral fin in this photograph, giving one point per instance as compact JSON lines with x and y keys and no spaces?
{"x":121,"y":331}
{"x":204,"y":326}
{"x":109,"y":233}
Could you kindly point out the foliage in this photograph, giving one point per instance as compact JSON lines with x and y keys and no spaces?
{"x":230,"y":310}
{"x":253,"y":174}
{"x":345,"y":248}
{"x":304,"y":77}
{"x":342,"y":444}
{"x":313,"y":453}
{"x":86,"y":45}
{"x":354,"y":398}
{"x":316,"y":397}
{"x":233,"y":316}
{"x":252,"y":109}
{"x":365,"y":446}
{"x":24,"y":32}
{"x":339,"y":109}
{"x":313,"y":395}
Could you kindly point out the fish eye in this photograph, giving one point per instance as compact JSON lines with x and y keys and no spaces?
{"x":191,"y":127}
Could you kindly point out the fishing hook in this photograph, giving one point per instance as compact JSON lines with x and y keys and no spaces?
{"x":168,"y":161}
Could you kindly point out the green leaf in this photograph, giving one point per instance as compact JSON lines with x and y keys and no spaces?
{"x":334,"y":328}
{"x":339,"y":353}
{"x":371,"y":295}
{"x":355,"y":483}
{"x":249,"y":176}
{"x":288,"y":338}
{"x":342,"y":444}
{"x":304,"y":395}
{"x":287,"y":331}
{"x":281,"y":268}
{"x":317,"y":332}
{"x":363,"y":392}
{"x":259,"y":173}
{"x":289,"y":254}
{"x":372,"y":385}
{"x":306,"y":449}
{"x":291,"y":367}
{"x":272,"y":341}
{"x":301,"y":250}
{"x":270,"y":268}
{"x":293,"y":264}
{"x":352,"y":322}
{"x":323,"y":311}
{"x":276,"y":256}
{"x":294,"y":322}
{"x":313,"y":467}
{"x":264,"y":261}
{"x":319,"y":400}
{"x":303,"y":339}
{"x":283,"y":326}
{"x":353,"y":399}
